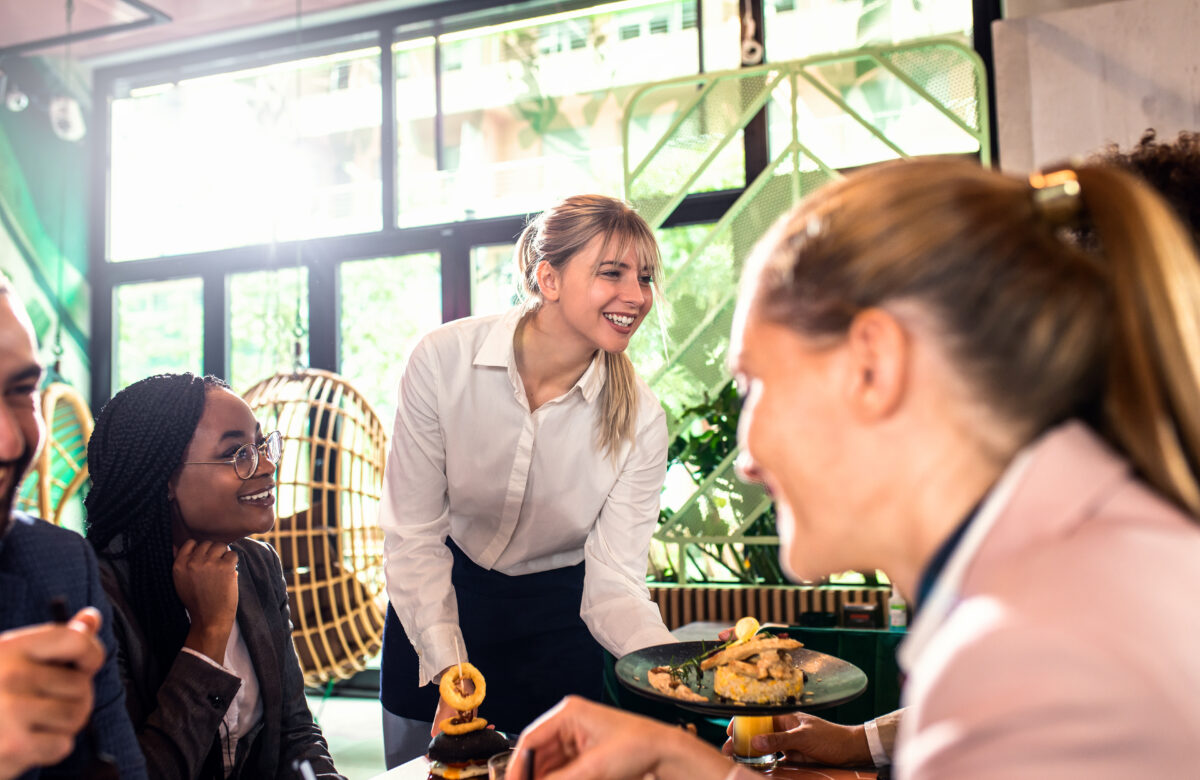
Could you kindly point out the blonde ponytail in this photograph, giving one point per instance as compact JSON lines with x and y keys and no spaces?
{"x":1151,"y":406}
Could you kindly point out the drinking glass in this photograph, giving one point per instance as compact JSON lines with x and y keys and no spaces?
{"x":746,"y":727}
{"x":498,"y":765}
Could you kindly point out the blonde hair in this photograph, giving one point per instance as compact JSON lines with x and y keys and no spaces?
{"x":1041,"y":330}
{"x":557,"y":235}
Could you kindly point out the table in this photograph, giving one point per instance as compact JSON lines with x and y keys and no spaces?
{"x":418,"y":769}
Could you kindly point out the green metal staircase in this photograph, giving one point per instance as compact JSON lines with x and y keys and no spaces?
{"x":824,"y":114}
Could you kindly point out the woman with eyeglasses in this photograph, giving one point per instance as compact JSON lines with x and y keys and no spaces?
{"x":181,"y":476}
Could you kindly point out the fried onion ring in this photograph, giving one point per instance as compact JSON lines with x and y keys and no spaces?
{"x":453,"y":696}
{"x":462,"y":727}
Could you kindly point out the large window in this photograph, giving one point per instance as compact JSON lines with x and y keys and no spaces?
{"x":387,"y":304}
{"x":529,"y":110}
{"x":268,"y":316}
{"x":275,"y":153}
{"x":158,"y":328}
{"x":495,"y":286}
{"x":348,"y":188}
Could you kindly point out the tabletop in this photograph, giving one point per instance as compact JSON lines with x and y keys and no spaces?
{"x":418,"y":769}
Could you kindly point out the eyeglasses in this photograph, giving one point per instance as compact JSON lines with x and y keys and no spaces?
{"x":245,"y":460}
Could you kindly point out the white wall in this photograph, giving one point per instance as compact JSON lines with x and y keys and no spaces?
{"x":1069,"y":82}
{"x":1015,"y":8}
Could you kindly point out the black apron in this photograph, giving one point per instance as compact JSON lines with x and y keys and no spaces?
{"x":523,"y":633}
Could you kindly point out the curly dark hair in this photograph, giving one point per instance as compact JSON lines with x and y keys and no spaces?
{"x":139,"y":441}
{"x":1171,"y":168}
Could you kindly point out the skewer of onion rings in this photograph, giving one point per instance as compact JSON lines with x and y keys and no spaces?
{"x":448,"y":687}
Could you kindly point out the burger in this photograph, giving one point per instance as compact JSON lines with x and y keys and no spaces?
{"x":464,"y":744}
{"x":455,"y":756}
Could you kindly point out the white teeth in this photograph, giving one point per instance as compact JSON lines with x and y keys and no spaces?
{"x":624,"y":322}
{"x":257,"y":496}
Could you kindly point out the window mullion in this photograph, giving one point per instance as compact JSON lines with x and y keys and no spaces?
{"x":216,"y":325}
{"x":387,"y":134}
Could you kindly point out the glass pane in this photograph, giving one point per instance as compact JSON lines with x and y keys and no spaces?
{"x":532,"y":110}
{"x":696,"y":277}
{"x":387,"y":304}
{"x":416,"y":142}
{"x":494,"y":283}
{"x":801,"y":28}
{"x":262,"y":324}
{"x":275,"y":153}
{"x":828,"y":120}
{"x":159,"y":328}
{"x":722,"y":34}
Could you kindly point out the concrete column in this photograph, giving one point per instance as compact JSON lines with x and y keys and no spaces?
{"x":1069,"y":82}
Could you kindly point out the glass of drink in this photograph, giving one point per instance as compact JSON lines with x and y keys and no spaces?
{"x":745,"y":728}
{"x":498,"y":765}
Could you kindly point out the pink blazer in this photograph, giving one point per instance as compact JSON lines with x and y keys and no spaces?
{"x":1074,"y":650}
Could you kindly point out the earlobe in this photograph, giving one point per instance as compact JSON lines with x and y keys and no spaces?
{"x":879,"y":350}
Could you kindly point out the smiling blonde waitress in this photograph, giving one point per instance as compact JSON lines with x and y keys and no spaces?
{"x":522,"y":485}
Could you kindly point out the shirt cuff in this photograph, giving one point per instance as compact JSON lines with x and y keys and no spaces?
{"x":878,"y":754}
{"x":440,"y":646}
{"x":648,"y":637}
{"x":203,"y":657}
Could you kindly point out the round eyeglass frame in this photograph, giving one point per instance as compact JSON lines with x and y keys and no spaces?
{"x":272,"y":448}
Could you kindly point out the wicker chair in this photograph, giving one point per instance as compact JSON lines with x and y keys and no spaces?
{"x":328,"y":488}
{"x":60,"y":469}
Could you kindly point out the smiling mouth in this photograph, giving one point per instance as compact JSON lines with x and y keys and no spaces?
{"x":264,"y":497}
{"x":623,"y":320}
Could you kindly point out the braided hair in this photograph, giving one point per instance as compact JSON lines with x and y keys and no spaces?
{"x":139,"y":441}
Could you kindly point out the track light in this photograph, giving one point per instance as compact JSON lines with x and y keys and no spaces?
{"x":16,"y":100}
{"x":66,"y":117}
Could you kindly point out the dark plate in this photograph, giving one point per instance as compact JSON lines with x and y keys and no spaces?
{"x":828,"y":681}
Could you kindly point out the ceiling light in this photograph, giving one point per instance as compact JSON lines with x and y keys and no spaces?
{"x":16,"y":100}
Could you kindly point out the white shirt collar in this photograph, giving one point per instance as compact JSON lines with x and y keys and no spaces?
{"x":497,"y":352}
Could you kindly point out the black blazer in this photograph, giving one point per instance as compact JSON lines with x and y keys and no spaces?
{"x":178,"y":724}
{"x":39,"y":562}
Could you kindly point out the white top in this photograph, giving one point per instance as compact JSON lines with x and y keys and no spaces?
{"x":518,"y":492}
{"x":246,"y":709}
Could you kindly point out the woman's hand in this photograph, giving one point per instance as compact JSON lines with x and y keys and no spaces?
{"x":444,"y":710}
{"x":808,"y":739}
{"x":206,"y":580}
{"x":583,"y":740}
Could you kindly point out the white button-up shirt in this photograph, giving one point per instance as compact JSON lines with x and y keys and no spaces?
{"x":518,"y":491}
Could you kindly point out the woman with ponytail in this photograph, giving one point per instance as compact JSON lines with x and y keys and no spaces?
{"x":523,"y":483}
{"x":939,"y":384}
{"x":181,"y":475}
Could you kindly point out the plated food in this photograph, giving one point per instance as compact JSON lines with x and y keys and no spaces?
{"x":758,"y":671}
{"x":752,"y":668}
{"x":465,"y":744}
{"x":828,"y":680}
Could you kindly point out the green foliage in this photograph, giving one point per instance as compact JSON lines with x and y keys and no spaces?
{"x":703,"y":450}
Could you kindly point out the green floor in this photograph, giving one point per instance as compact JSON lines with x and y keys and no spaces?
{"x":354,"y":730}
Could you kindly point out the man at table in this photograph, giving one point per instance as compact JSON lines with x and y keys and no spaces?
{"x":54,"y":678}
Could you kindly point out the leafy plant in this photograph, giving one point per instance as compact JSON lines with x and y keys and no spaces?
{"x":702,"y":450}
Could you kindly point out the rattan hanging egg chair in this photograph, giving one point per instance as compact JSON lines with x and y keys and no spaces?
{"x":328,"y":487}
{"x":60,"y":469}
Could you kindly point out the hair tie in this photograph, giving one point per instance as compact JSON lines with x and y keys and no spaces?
{"x":1056,"y":194}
